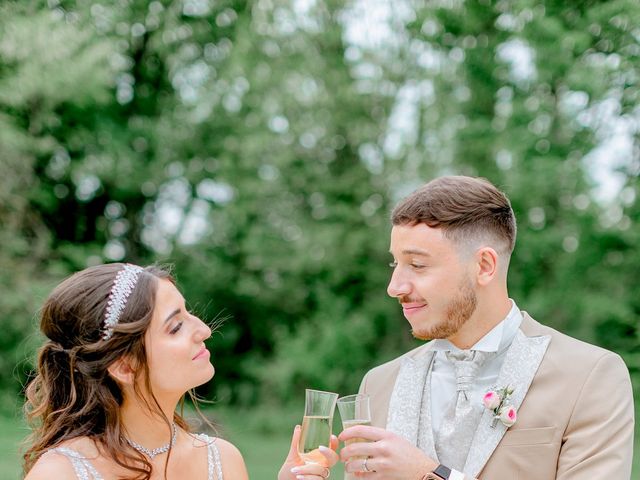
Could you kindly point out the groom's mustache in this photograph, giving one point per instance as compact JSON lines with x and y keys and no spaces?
{"x":408,"y":299}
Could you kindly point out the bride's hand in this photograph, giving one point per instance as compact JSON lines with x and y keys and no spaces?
{"x":294,"y":467}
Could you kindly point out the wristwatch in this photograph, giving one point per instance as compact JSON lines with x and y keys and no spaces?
{"x":439,"y":473}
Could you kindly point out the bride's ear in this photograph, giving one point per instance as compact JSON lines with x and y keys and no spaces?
{"x":123,"y":370}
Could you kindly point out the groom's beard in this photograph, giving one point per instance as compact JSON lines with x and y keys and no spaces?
{"x":457,"y":312}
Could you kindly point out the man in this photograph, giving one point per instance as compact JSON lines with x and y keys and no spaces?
{"x":446,"y":410}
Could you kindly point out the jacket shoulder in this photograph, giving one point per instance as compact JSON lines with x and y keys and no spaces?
{"x":583,"y":356}
{"x":390,"y":369}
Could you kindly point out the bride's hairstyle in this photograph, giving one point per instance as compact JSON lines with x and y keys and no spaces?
{"x":72,"y":394}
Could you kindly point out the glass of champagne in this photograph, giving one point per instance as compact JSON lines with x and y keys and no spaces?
{"x":354,"y":410}
{"x":316,"y":425}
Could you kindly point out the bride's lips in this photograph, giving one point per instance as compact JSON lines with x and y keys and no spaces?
{"x":411,"y":308}
{"x":202,"y":353}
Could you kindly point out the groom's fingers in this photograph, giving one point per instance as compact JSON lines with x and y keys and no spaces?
{"x":373,"y":434}
{"x":360,"y":449}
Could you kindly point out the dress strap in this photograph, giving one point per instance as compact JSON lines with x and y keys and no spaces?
{"x":214,"y":463}
{"x":81,"y":465}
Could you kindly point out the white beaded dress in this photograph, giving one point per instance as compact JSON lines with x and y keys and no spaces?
{"x":86,"y":471}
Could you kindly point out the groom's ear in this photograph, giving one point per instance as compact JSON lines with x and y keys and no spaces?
{"x":123,"y":370}
{"x":487,"y":265}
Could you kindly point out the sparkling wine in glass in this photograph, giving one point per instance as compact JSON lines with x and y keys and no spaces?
{"x":354,"y":410}
{"x":316,"y":425}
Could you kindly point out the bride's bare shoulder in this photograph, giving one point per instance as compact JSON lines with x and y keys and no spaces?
{"x":52,"y":465}
{"x":233,"y":465}
{"x":228,"y":449}
{"x":55,"y":464}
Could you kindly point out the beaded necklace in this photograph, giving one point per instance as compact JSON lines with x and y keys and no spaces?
{"x":156,"y":451}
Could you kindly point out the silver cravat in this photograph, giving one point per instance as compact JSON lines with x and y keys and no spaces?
{"x":460,"y":422}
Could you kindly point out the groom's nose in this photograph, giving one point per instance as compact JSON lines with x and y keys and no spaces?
{"x":398,"y":286}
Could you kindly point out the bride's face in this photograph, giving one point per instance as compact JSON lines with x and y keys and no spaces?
{"x":176,"y":354}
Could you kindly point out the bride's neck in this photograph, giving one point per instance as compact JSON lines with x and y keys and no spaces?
{"x":149,"y":429}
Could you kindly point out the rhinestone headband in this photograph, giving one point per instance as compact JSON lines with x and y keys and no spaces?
{"x":123,"y":285}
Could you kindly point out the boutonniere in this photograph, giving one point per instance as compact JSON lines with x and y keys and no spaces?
{"x":498,"y":402}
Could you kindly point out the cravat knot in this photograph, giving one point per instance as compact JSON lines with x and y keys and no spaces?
{"x":466,"y":364}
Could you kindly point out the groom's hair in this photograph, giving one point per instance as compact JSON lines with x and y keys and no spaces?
{"x":470,"y":211}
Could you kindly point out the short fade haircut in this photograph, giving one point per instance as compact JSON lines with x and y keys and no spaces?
{"x":467,"y":209}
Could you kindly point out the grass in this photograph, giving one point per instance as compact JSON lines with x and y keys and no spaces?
{"x":12,"y":433}
{"x":263,"y":436}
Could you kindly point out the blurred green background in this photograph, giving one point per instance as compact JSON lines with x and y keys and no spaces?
{"x":259,"y":146}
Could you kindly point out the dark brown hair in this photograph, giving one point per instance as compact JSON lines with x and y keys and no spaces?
{"x":72,"y":394}
{"x":465,"y":208}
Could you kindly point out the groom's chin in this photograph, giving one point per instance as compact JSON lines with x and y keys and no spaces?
{"x":422,"y":335}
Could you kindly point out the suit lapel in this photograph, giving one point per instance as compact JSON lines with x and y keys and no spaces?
{"x":426,"y":442}
{"x":520,"y":366}
{"x":406,"y":399}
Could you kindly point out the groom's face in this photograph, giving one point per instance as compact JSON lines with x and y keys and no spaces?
{"x":431,"y":281}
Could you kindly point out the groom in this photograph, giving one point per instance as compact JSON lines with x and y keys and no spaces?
{"x":495,"y":395}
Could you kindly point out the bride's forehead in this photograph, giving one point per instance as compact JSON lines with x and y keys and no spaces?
{"x":167,"y":296}
{"x":166,"y":288}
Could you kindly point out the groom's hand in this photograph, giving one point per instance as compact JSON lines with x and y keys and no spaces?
{"x":387,"y":455}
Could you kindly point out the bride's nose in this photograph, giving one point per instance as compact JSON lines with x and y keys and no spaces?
{"x":202,"y":331}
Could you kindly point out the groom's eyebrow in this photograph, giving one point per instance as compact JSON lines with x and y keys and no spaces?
{"x":416,"y":251}
{"x":171,"y":315}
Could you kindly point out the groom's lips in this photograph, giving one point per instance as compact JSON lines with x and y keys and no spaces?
{"x":413,"y":307}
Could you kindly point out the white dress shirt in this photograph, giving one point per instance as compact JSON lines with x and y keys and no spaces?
{"x":443,"y":375}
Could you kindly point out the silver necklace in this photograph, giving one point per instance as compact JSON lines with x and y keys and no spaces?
{"x":156,"y":451}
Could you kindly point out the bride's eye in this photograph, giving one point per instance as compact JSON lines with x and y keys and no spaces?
{"x":175,"y":329}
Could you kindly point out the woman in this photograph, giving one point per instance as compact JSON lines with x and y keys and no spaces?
{"x":121,"y":352}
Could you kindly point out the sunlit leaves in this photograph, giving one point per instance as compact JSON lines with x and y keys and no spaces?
{"x":51,"y":60}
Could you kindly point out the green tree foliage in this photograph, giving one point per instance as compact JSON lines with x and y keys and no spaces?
{"x":259,"y":146}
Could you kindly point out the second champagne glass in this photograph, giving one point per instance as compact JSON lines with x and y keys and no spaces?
{"x":316,"y":425}
{"x":354,"y":410}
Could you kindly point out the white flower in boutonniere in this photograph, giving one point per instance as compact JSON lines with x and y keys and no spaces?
{"x":508,"y":416}
{"x":498,"y":402}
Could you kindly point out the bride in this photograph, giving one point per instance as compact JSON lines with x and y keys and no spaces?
{"x":121,"y":351}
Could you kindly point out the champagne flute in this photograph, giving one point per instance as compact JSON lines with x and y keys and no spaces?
{"x":316,"y":425}
{"x":354,"y":410}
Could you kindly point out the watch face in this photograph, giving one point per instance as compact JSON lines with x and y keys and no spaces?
{"x":442,"y":472}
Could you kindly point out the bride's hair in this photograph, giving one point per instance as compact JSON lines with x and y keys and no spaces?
{"x":73,"y":394}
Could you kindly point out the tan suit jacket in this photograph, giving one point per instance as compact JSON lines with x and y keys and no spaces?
{"x":575,"y":422}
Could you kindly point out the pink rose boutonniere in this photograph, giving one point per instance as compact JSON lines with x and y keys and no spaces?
{"x":498,"y":402}
{"x":508,"y":416}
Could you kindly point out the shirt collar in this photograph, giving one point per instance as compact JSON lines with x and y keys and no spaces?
{"x":496,"y":340}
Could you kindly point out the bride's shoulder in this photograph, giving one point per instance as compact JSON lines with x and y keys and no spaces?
{"x":230,"y":457}
{"x":55,"y":462}
{"x":226,"y":448}
{"x":51,"y":466}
